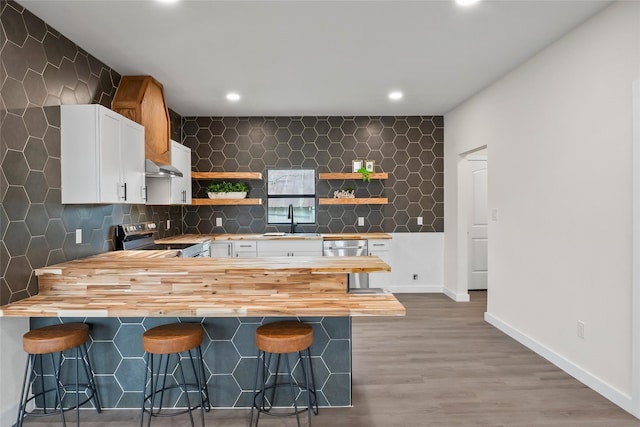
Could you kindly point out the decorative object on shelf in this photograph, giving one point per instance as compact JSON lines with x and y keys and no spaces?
{"x":227,"y":190}
{"x":366,"y":175}
{"x":357,"y":165}
{"x":348,"y":193}
{"x":369,"y":165}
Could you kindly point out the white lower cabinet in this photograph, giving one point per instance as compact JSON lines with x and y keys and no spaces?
{"x":221,"y":249}
{"x":172,"y":191}
{"x":381,"y":249}
{"x":233,"y":249}
{"x":101,"y":156}
{"x":267,"y":248}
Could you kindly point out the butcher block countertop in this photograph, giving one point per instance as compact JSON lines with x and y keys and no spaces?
{"x":110,"y":285}
{"x":200,"y":238}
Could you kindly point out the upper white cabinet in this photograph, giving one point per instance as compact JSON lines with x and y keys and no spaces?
{"x":102,"y":156}
{"x":312,"y":247}
{"x":176,"y":190}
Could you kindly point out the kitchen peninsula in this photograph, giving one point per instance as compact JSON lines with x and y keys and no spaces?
{"x":124,"y":293}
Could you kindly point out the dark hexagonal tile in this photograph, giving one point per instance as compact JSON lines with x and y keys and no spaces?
{"x":14,"y":133}
{"x":104,"y":357}
{"x":244,"y":339}
{"x":14,"y":96}
{"x":224,"y":390}
{"x":18,"y":273}
{"x":36,"y":186}
{"x":15,"y":203}
{"x":256,"y":135}
{"x":17,"y":237}
{"x":216,"y":127}
{"x":221,"y":357}
{"x":128,"y":340}
{"x":14,"y":26}
{"x":38,"y":252}
{"x":110,"y":391}
{"x":130,"y":373}
{"x":14,"y":61}
{"x":35,"y":89}
{"x":337,"y":389}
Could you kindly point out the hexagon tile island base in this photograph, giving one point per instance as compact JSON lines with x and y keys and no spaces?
{"x":229,"y":353}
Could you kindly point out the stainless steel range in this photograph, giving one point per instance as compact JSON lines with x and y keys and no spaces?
{"x":140,"y":236}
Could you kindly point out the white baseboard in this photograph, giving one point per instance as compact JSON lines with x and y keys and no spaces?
{"x":417,"y":289}
{"x":456,"y":297}
{"x":619,"y":398}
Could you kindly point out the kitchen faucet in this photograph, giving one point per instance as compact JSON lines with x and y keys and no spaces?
{"x":290,"y":216}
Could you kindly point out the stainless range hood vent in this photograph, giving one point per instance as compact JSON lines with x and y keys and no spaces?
{"x":155,"y":170}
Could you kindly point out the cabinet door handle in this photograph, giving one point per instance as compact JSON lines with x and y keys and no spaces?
{"x":229,"y":250}
{"x":184,"y":196}
{"x":125,"y":191}
{"x":378,"y":244}
{"x":145,"y":193}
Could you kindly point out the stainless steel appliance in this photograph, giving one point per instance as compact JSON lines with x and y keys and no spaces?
{"x":349,"y":248}
{"x":140,"y":236}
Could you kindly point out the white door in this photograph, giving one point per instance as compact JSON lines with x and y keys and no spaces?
{"x":477,"y":230}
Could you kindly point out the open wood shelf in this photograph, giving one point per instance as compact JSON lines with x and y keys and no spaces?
{"x":226,"y":202}
{"x":355,"y":201}
{"x":353,"y":175}
{"x":226,"y":175}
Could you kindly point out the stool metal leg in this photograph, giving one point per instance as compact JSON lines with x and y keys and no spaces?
{"x":144,"y":387}
{"x":291,"y":384}
{"x":91,"y":379}
{"x":56,"y":380}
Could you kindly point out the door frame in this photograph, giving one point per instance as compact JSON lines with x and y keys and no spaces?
{"x":635,"y":286}
{"x":463,"y":216}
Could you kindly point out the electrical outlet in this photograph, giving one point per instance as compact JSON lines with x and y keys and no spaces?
{"x":581,"y":329}
{"x":218,"y":222}
{"x":78,"y":236}
{"x":168,"y":224}
{"x":415,"y":277}
{"x":360,"y":221}
{"x":419,"y":220}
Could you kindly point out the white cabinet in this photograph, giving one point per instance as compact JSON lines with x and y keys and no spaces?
{"x":235,"y":249}
{"x":172,"y":191}
{"x":221,"y":249}
{"x":312,"y":247}
{"x":101,"y":156}
{"x":382,"y":249}
{"x":245,"y":249}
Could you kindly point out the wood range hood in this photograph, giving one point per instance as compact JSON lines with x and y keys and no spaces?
{"x":141,"y":99}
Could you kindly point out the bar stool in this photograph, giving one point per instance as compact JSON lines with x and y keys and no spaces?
{"x":50,"y":340}
{"x":168,"y":340}
{"x":283,"y":338}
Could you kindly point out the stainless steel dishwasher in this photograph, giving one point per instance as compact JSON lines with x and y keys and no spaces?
{"x":349,"y":248}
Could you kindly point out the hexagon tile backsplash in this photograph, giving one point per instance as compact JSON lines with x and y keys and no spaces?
{"x":40,"y":69}
{"x":409,"y":148}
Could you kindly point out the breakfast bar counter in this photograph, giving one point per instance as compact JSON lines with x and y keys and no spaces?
{"x":121,"y":294}
{"x":117,"y":285}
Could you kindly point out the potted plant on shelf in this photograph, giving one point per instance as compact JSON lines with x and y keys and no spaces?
{"x":366,"y":174}
{"x":227,"y":190}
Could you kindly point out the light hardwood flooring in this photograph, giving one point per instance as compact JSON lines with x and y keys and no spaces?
{"x":441,"y":365}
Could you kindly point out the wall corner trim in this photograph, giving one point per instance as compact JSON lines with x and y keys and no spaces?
{"x":457,"y":297}
{"x":611,"y":393}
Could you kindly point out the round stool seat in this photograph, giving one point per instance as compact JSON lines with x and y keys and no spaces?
{"x":172,"y":338}
{"x":287,"y":336}
{"x":51,"y":339}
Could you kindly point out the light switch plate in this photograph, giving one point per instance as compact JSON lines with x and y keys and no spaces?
{"x":218,"y":222}
{"x":419,"y":220}
{"x":168,"y":224}
{"x":78,"y":236}
{"x":360,"y":221}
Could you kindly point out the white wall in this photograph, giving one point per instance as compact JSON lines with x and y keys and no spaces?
{"x":12,"y":364}
{"x":559,"y":136}
{"x":414,"y":253}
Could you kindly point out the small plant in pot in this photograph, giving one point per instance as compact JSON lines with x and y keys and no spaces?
{"x":227,"y":190}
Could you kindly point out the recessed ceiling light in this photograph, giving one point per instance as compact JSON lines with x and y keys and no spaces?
{"x":232,"y":96}
{"x":466,"y":2}
{"x":396,"y":95}
{"x":167,"y":1}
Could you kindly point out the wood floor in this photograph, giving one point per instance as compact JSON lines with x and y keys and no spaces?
{"x":442,"y":366}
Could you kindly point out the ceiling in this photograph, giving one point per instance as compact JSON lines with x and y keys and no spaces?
{"x":314,"y":57}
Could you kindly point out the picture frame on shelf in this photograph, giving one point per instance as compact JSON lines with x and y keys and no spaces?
{"x":369,"y":165}
{"x":356,"y":165}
